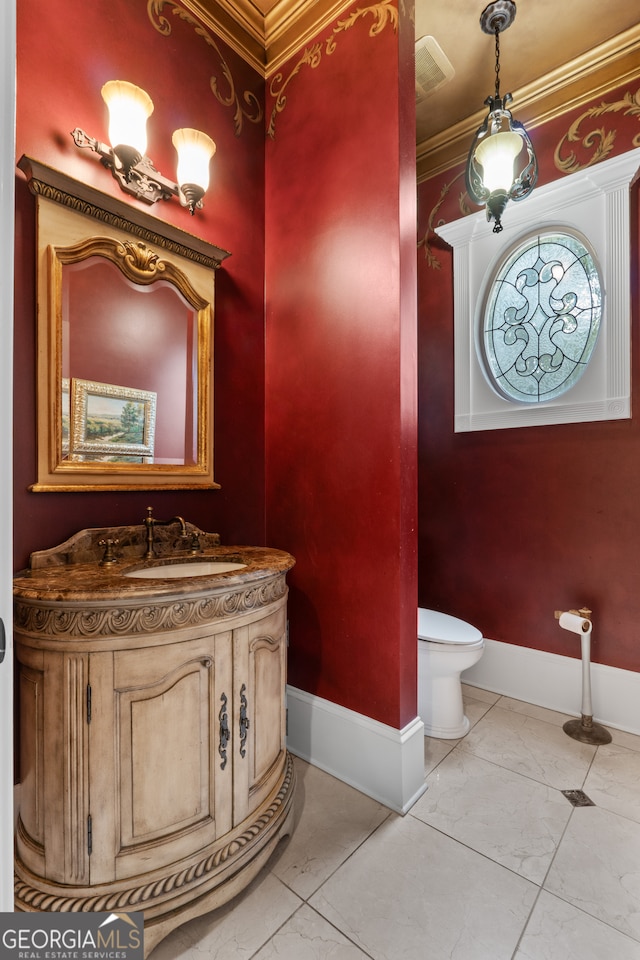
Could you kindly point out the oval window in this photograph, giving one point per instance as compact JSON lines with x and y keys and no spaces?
{"x":541,"y":317}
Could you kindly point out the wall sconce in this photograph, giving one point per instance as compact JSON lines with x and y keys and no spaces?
{"x":493,"y":174}
{"x":129,"y":109}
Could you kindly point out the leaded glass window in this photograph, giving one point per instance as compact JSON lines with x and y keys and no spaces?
{"x":541,"y":318}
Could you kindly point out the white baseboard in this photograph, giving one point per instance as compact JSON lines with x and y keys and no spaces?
{"x":380,"y":761}
{"x":388,"y":764}
{"x":550,"y":680}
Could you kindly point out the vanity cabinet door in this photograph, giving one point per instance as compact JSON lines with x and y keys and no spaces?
{"x":160,"y":789}
{"x":260,"y":722}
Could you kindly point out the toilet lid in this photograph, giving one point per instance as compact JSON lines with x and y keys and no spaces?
{"x":442,"y":628}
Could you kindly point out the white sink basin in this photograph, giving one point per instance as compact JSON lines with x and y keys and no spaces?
{"x":177,"y":571}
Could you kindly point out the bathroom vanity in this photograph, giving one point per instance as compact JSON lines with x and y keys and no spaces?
{"x":153,"y":762}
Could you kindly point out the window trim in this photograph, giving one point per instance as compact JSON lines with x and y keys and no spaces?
{"x":595,"y":202}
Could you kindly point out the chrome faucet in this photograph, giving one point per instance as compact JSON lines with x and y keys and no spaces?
{"x":150,"y":523}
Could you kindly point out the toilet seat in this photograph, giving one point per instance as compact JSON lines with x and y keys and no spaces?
{"x":443,"y":628}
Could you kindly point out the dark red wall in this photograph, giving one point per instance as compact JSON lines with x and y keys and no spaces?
{"x":341,"y":470}
{"x":66,"y":51}
{"x":517,"y":523}
{"x":341,"y":368}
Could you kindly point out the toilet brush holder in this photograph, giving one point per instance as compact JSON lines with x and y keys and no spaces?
{"x":585,"y":729}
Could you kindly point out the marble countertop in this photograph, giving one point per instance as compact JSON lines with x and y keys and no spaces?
{"x":91,"y":581}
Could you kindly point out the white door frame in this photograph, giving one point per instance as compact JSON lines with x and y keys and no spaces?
{"x":7,"y":182}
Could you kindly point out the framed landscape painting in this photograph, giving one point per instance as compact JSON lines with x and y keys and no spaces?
{"x":109,"y":420}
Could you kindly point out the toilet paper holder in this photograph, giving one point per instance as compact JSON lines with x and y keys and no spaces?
{"x":586,"y":730}
{"x":583,"y":612}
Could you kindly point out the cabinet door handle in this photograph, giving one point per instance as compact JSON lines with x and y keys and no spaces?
{"x":244,"y":721}
{"x":224,"y":731}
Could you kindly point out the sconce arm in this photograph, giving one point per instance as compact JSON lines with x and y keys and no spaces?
{"x":142,"y":180}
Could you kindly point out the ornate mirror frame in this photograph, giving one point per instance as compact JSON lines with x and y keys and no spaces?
{"x":76,"y":224}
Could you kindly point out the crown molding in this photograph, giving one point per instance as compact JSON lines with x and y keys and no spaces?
{"x":291,"y":24}
{"x":238,"y":23}
{"x":265,"y":41}
{"x":592,"y":75}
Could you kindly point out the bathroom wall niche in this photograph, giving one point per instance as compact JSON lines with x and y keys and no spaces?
{"x":125,"y":344}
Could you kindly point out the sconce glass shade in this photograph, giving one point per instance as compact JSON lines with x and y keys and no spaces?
{"x":129,"y":109}
{"x":195,"y":150}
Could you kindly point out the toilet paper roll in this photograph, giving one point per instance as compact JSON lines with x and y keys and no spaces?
{"x":571,"y":621}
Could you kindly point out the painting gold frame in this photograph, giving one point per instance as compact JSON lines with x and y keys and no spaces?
{"x":75,"y":224}
{"x":84,"y":393}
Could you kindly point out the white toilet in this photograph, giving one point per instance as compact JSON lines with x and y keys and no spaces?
{"x":446,"y":647}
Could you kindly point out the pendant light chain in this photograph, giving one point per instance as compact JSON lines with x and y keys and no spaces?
{"x":497,"y":30}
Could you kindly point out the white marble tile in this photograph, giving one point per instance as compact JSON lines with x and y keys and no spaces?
{"x":475,"y":710}
{"x":533,"y":710}
{"x":237,"y":929}
{"x":307,"y":936}
{"x":623,"y":739}
{"x":411,"y":892}
{"x":531,"y":747}
{"x":435,"y":751}
{"x":613,"y":782}
{"x":597,"y":868}
{"x":559,"y":931}
{"x":512,"y":819}
{"x":331,"y":820}
{"x":436,"y":748}
{"x":477,"y":693}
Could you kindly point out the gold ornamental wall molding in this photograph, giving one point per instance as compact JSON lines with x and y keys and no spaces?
{"x":598,"y":139}
{"x":425,"y":242}
{"x":384,"y":14}
{"x":246,"y":106}
{"x":594,"y":74}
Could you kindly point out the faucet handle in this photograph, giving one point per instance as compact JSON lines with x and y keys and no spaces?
{"x":109,"y":556}
{"x":195,"y":542}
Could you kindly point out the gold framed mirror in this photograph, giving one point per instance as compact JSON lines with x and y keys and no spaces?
{"x":125,"y":344}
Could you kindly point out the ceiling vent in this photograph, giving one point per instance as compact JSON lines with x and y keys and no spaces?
{"x":432,"y":68}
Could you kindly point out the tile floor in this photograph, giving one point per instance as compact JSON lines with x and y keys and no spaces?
{"x":492,"y":863}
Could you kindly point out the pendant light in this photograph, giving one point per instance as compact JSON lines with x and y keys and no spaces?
{"x":502,"y":164}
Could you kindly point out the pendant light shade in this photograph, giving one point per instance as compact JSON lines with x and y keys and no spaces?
{"x":497,"y":156}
